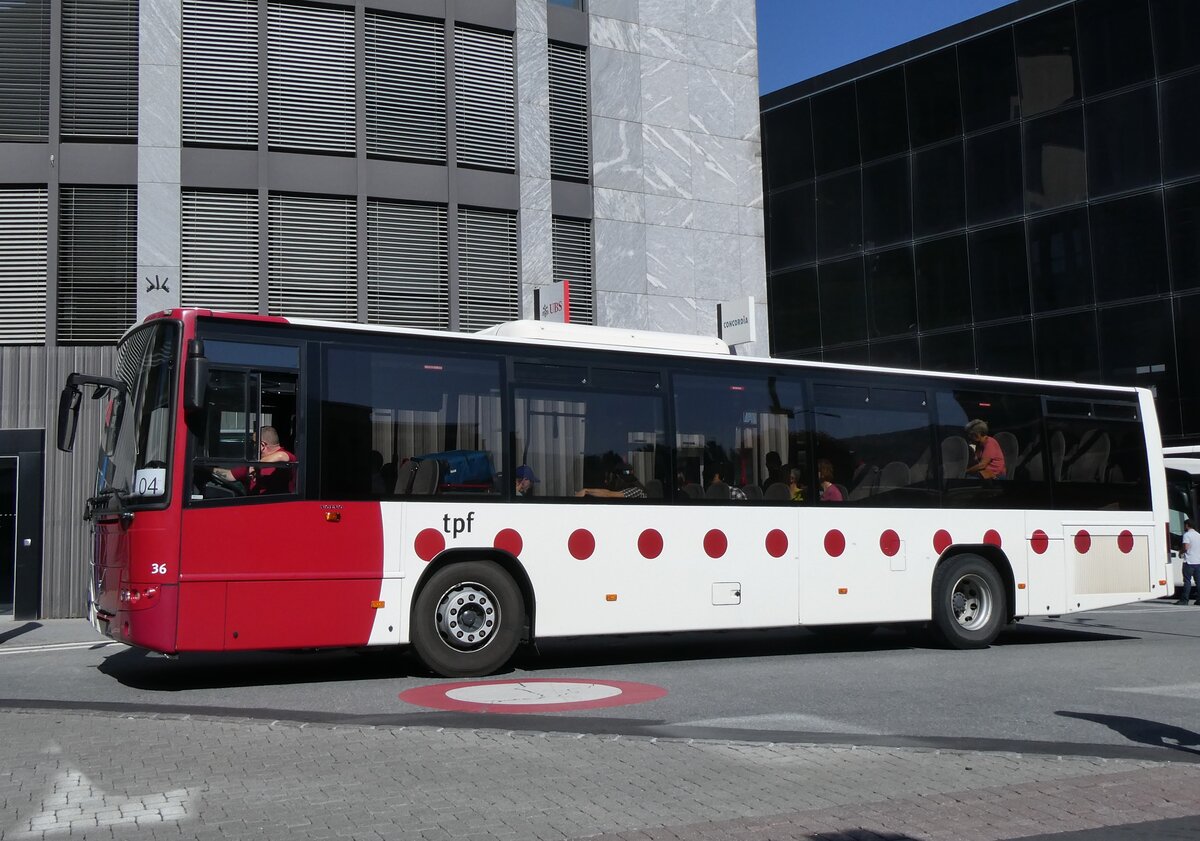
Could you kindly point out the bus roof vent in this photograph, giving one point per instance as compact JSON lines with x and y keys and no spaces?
{"x":585,"y":334}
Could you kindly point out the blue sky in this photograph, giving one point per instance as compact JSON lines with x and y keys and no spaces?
{"x":799,"y":39}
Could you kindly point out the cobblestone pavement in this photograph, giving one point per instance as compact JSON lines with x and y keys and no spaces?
{"x":110,"y":776}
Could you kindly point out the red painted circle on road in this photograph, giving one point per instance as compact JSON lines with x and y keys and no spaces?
{"x":429,"y":544}
{"x":715,"y":543}
{"x":835,"y":543}
{"x":889,"y":543}
{"x":578,"y":694}
{"x":777,"y":543}
{"x":650,"y":544}
{"x":509,"y":540}
{"x":1125,"y":541}
{"x":1083,"y":542}
{"x":581,"y":544}
{"x":992,"y":538}
{"x":1039,"y":541}
{"x":941,"y":541}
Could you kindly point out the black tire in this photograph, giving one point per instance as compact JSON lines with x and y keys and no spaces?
{"x":468,"y":620}
{"x":968,"y":602}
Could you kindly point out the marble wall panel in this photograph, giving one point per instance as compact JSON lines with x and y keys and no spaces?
{"x":671,"y":314}
{"x":614,"y":34}
{"x":670,"y":210}
{"x":159,"y":164}
{"x":159,"y":26}
{"x":665,"y":100}
{"x":537,"y":262}
{"x":753,"y":260}
{"x":749,"y":175}
{"x":663,"y":14}
{"x":620,"y":9}
{"x":667,"y":156}
{"x":531,"y":14}
{"x":158,"y":224}
{"x":617,"y":160}
{"x":622,"y":309}
{"x":535,"y":193}
{"x":159,"y":106}
{"x":666,"y":43}
{"x":622,"y":205}
{"x":670,"y":261}
{"x":534,"y":140}
{"x":616,"y":86}
{"x":620,"y":254}
{"x":718,"y":266}
{"x":533,"y":75}
{"x":744,"y":17}
{"x":750,"y":221}
{"x":713,"y":216}
{"x":711,"y":19}
{"x":712,"y":100}
{"x":715,"y":165}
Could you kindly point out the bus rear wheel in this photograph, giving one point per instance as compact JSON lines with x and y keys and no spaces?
{"x":968,"y":602}
{"x":468,"y":619}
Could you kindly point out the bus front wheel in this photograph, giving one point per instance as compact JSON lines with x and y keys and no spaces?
{"x":468,"y":619}
{"x":968,"y":602}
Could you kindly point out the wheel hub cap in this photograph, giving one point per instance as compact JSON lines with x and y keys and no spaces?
{"x":971,"y":602}
{"x":467,"y":616}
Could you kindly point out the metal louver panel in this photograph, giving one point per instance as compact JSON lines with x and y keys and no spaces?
{"x":569,"y":156}
{"x":25,"y":68}
{"x":97,"y":263}
{"x":219,"y":246}
{"x":220,"y":72}
{"x":406,"y":87}
{"x":485,"y":115}
{"x":310,"y":73}
{"x":573,"y":263}
{"x":408,"y":273}
{"x":313,"y":257}
{"x":489,"y":288}
{"x":99,"y":68}
{"x":23,"y":252}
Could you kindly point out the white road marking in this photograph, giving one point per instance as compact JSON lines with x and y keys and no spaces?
{"x":783,"y":721}
{"x":540,"y":692}
{"x":74,"y":803}
{"x":1176,"y":690}
{"x":55,"y":646}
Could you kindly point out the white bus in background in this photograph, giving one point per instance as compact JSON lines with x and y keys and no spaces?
{"x":1183,"y":493}
{"x":660,"y":501}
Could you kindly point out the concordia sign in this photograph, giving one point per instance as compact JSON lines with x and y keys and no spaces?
{"x":735,"y":321}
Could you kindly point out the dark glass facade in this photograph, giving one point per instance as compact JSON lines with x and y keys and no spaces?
{"x":1015,"y":195}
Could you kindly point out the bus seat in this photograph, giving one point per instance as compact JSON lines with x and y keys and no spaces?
{"x":955,"y":457}
{"x":404,"y":477}
{"x":842,"y":488}
{"x":1010,"y":448}
{"x":654,"y":488}
{"x":866,"y":479}
{"x":1029,"y":463}
{"x":893,"y":476}
{"x":426,"y":478}
{"x":1058,"y":449}
{"x":778,"y":490}
{"x":752,"y":491}
{"x":1090,"y":459}
{"x":919,"y":472}
{"x":693,"y":491}
{"x":717,"y":490}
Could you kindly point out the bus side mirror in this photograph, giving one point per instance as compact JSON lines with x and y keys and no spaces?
{"x":68,"y":417}
{"x":195,"y":378}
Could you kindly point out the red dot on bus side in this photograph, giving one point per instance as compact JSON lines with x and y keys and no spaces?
{"x":777,"y":543}
{"x":835,"y":543}
{"x":941,"y":541}
{"x":889,"y":543}
{"x":992,"y":538}
{"x":509,"y":540}
{"x":581,"y":544}
{"x":1039,"y":541}
{"x":715,"y":543}
{"x":1125,"y":541}
{"x":1083,"y":542}
{"x":650,"y":544}
{"x":429,"y":544}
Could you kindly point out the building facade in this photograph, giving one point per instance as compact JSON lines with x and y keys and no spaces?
{"x":407,"y":162}
{"x":1018,"y":194}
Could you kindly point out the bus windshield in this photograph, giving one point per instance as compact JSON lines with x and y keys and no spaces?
{"x":136,"y":439}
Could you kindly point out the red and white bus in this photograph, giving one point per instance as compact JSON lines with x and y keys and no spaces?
{"x":393,"y":517}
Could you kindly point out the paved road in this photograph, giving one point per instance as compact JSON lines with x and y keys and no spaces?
{"x":1078,"y":725}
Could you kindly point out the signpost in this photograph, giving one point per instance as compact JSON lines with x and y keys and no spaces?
{"x":553,"y":302}
{"x":735,"y":321}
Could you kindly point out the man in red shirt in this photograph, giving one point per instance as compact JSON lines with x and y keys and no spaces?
{"x":989,"y":458}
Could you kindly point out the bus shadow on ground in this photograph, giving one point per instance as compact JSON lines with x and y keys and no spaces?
{"x":1144,"y":731}
{"x":139,"y":669}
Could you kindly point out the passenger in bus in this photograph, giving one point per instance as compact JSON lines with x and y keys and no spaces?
{"x":622,"y":483}
{"x":526,"y":479}
{"x":775,"y":470}
{"x":796,"y":484}
{"x":715,"y":486}
{"x":829,"y":491}
{"x":988,"y":462}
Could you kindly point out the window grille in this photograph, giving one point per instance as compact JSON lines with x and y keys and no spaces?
{"x":220,"y":72}
{"x":489,"y":289}
{"x":406,"y":87}
{"x":408,"y":275}
{"x":97,"y":263}
{"x":569,"y":157}
{"x":573,"y":263}
{"x":23,"y":254}
{"x":485,"y":108}
{"x":219,"y":251}
{"x":310,"y":78}
{"x":25,"y":68}
{"x":99,"y":69}
{"x":313,"y":262}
